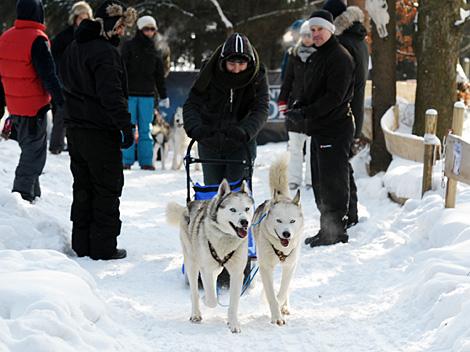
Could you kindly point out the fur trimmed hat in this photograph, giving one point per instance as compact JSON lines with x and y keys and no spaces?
{"x":113,"y":13}
{"x":146,"y":21}
{"x":336,"y":7}
{"x":322,"y":18}
{"x":79,"y":8}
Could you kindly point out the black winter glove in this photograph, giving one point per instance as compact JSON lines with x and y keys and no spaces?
{"x":236,"y":133}
{"x":296,"y":116}
{"x":201,"y":132}
{"x":127,"y":134}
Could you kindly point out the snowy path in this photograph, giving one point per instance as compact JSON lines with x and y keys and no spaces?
{"x":361,"y":296}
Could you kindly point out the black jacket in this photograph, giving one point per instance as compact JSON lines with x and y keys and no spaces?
{"x":144,"y":66}
{"x":60,"y":43}
{"x":95,"y":81}
{"x":219,"y":107}
{"x":328,"y":82}
{"x":352,"y":37}
{"x":292,"y":87}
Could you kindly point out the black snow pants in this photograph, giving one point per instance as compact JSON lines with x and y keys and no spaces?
{"x":57,"y":142}
{"x":96,"y":165}
{"x":331,"y":178}
{"x":32,"y":138}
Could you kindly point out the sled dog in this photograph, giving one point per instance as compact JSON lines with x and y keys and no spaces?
{"x":179,"y":141}
{"x":277,"y":228}
{"x":213,"y":235}
{"x":160,"y":132}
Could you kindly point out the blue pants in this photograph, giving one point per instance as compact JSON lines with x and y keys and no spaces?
{"x":141,"y":110}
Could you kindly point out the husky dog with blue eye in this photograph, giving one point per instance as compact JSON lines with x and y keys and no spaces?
{"x":278,"y":228}
{"x":214,"y":235}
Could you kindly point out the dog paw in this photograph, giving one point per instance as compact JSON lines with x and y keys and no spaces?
{"x":195,"y":319}
{"x":278,"y":321}
{"x":285,"y":310}
{"x":234,"y":327}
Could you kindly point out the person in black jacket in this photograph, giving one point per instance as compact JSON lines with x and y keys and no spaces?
{"x":29,"y":80}
{"x":351,"y":34}
{"x":98,"y":126}
{"x":291,"y":92}
{"x":145,"y":71}
{"x":227,"y":107}
{"x":326,"y":112}
{"x":80,"y":11}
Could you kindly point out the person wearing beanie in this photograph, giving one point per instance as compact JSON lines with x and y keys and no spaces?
{"x":325,"y":111}
{"x":351,"y":33}
{"x":290,"y":38}
{"x":79,"y":11}
{"x":146,"y":77}
{"x":291,"y":91}
{"x":227,"y":107}
{"x":28,"y":79}
{"x":335,"y":7}
{"x":98,"y":125}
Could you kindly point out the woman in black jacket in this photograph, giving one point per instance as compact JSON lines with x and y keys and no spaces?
{"x":227,"y":107}
{"x":291,"y":91}
{"x":146,"y":81}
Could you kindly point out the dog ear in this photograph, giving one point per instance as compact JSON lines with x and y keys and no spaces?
{"x":244,"y":188}
{"x":224,"y":189}
{"x":296,"y":199}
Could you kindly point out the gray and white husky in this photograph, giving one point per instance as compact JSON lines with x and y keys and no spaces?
{"x":213,"y":236}
{"x":278,"y":228}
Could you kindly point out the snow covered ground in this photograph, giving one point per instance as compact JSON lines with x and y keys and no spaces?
{"x":401,"y":284}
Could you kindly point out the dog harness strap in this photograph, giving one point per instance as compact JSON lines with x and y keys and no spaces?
{"x":221,"y":262}
{"x":282,"y":257}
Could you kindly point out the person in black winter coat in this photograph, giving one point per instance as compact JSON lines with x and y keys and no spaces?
{"x":29,"y":80}
{"x":291,"y":92}
{"x":328,"y":90}
{"x":227,"y":107}
{"x":146,"y":81}
{"x":80,"y":11}
{"x":98,"y":126}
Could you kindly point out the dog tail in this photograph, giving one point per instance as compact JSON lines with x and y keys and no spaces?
{"x":174,"y":213}
{"x":278,"y":175}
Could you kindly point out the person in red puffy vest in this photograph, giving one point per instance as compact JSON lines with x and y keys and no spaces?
{"x":28,"y":77}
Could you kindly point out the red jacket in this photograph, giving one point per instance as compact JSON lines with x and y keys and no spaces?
{"x":24,"y":92}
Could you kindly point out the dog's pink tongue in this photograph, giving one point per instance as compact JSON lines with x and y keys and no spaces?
{"x":242,"y":232}
{"x":285,"y":242}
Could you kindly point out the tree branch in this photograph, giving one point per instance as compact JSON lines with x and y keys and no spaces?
{"x":224,"y":18}
{"x":151,"y":3}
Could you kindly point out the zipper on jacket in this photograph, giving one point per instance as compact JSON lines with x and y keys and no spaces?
{"x":231,"y":99}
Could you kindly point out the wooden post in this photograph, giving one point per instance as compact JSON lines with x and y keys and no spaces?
{"x":466,"y":66}
{"x":429,"y":146}
{"x":457,"y":128}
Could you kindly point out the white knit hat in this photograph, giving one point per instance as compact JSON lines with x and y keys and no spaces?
{"x":77,"y":9}
{"x":146,"y":21}
{"x":305,"y":29}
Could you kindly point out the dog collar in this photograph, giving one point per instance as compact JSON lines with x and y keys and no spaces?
{"x":260,"y":219}
{"x":221,"y":262}
{"x":282,"y":257}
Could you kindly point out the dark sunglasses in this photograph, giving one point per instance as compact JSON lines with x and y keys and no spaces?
{"x":149,"y":29}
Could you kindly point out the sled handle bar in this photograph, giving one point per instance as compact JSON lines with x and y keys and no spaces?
{"x":188,"y":160}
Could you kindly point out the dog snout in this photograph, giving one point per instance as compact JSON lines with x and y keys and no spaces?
{"x":244,"y":222}
{"x":286,"y":234}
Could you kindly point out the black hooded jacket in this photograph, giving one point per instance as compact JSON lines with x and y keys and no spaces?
{"x":144,"y":66}
{"x":353,"y":39}
{"x":60,"y":42}
{"x":218,"y":104}
{"x":328,"y":89}
{"x":95,"y":81}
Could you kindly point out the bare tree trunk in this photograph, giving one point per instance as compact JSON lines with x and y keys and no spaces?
{"x":438,"y":53}
{"x":383,"y":89}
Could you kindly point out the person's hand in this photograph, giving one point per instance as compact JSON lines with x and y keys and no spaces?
{"x":6,"y":131}
{"x":164,"y":103}
{"x":127,"y":134}
{"x":282,"y":105}
{"x":236,"y":133}
{"x":296,"y":116}
{"x":201,"y":132}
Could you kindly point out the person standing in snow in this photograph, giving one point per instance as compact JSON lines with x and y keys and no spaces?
{"x":145,"y":71}
{"x":80,"y":11}
{"x":291,"y":91}
{"x":98,"y":126}
{"x":28,"y":76}
{"x":326,"y":112}
{"x":227,"y":107}
{"x":351,"y":33}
